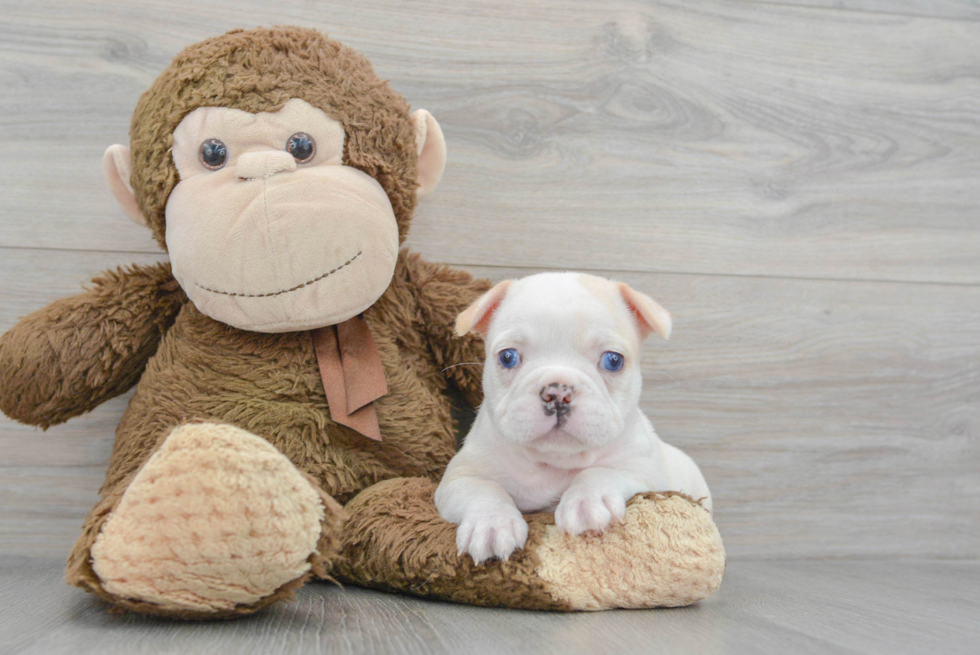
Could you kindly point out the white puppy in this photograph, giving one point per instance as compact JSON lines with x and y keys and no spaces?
{"x":560,"y":428}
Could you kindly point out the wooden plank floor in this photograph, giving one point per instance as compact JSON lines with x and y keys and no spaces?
{"x":892,"y":608}
{"x":798,"y":181}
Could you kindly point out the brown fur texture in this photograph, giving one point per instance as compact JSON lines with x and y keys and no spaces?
{"x":396,"y":540}
{"x":667,"y":553}
{"x":136,"y":327}
{"x":76,"y":353}
{"x":269,"y":385}
{"x":259,"y":70}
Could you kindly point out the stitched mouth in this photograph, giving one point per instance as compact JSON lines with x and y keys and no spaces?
{"x":282,"y":291}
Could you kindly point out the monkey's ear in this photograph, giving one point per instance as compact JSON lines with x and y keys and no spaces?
{"x":431,"y":146}
{"x":649,"y":315}
{"x":116,"y":165}
{"x":476,"y":317}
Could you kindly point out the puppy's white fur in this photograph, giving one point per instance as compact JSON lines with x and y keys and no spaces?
{"x":583,"y":462}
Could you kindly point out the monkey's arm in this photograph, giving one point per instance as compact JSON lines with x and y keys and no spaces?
{"x":78,"y":352}
{"x":443,"y":293}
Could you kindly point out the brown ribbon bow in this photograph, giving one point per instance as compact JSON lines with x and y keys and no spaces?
{"x":352,"y":374}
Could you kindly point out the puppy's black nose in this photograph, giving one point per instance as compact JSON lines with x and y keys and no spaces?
{"x":557,"y":399}
{"x":557,"y":394}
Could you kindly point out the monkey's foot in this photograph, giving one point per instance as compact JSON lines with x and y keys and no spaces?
{"x":216,"y":523}
{"x":667,"y":552}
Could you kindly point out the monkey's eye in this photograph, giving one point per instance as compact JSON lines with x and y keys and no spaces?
{"x":301,"y":146}
{"x":213,"y":154}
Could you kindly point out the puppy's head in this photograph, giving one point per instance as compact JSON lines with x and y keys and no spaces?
{"x":563,"y":371}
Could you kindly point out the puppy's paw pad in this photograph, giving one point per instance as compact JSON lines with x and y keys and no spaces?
{"x":497,"y":533}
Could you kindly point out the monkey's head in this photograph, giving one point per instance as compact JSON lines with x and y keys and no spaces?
{"x":280,"y":174}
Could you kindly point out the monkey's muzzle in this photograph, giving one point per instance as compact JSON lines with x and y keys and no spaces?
{"x":292,"y":250}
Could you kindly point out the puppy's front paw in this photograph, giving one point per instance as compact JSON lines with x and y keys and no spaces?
{"x":497,"y":532}
{"x":583,"y":509}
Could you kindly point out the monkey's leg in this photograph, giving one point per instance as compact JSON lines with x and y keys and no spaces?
{"x":216,"y":523}
{"x":666,"y":553}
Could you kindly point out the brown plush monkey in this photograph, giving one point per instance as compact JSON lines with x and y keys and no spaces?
{"x":290,"y":358}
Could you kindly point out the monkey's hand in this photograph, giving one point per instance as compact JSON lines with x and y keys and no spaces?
{"x":78,"y":352}
{"x":443,"y":293}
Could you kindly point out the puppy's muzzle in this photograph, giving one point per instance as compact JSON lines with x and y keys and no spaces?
{"x":556,"y":400}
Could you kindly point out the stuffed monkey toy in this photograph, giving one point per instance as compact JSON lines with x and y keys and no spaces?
{"x":292,"y":362}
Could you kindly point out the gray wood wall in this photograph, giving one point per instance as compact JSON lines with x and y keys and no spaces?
{"x":797,"y":181}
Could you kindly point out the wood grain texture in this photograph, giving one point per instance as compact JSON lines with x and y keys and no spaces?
{"x":699,"y":136}
{"x":797,"y":184}
{"x":831,"y":419}
{"x":956,"y":9}
{"x":762,"y":607}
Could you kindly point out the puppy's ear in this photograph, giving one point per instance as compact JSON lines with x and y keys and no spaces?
{"x":476,"y":317}
{"x":649,"y":315}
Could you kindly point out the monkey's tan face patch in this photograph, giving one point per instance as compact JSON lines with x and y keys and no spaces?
{"x":244,"y":133}
{"x":264,"y":240}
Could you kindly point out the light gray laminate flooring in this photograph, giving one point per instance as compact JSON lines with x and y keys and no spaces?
{"x":890,"y":607}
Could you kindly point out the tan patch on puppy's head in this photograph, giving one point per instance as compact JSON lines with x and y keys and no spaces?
{"x":644,"y":313}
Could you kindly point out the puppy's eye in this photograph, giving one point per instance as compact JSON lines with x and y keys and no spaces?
{"x":612,"y":361}
{"x":213,"y":154}
{"x":509,"y":358}
{"x":301,"y":146}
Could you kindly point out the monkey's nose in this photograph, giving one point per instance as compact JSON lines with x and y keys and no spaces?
{"x":256,"y":165}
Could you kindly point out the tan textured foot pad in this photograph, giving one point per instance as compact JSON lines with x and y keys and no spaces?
{"x":667,"y":553}
{"x":216,"y":519}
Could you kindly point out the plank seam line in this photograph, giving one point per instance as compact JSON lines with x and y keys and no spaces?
{"x":584,"y":269}
{"x":88,"y":250}
{"x":865,"y":12}
{"x":732,"y":275}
